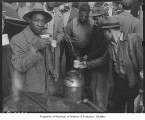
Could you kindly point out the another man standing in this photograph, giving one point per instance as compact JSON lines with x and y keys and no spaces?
{"x":129,"y":24}
{"x":69,"y":13}
{"x":56,"y":28}
{"x":31,"y":54}
{"x":98,"y":47}
{"x":125,"y":58}
{"x":77,"y":35}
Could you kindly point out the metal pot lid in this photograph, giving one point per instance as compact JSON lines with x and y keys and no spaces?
{"x":73,"y":82}
{"x":73,"y":72}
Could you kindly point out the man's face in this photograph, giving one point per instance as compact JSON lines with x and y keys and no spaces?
{"x":37,"y":23}
{"x":98,"y":20}
{"x":51,"y":4}
{"x":2,"y":25}
{"x":91,"y":4}
{"x":67,"y":5}
{"x":108,"y":34}
{"x":83,"y":16}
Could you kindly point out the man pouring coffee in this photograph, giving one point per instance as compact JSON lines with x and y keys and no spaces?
{"x":31,"y":53}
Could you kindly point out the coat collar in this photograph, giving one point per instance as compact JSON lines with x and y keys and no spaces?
{"x":126,"y":14}
{"x":57,"y":12}
{"x":29,"y":34}
{"x":120,"y":39}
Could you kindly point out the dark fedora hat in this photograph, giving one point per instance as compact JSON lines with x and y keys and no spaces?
{"x":97,"y":11}
{"x":110,"y":22}
{"x":37,"y":8}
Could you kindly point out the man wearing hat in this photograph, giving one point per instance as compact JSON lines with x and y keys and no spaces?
{"x":98,"y":47}
{"x":129,"y":24}
{"x":31,"y":54}
{"x":125,"y":58}
{"x":77,"y":36}
{"x":56,"y":28}
{"x":69,"y":13}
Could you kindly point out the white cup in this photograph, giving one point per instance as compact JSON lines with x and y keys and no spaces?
{"x":45,"y":36}
{"x":54,"y":43}
{"x":5,"y":39}
{"x":76,"y":63}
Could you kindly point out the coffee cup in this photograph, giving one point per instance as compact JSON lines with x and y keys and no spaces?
{"x":45,"y":36}
{"x":76,"y":63}
{"x":5,"y":39}
{"x":54,"y":43}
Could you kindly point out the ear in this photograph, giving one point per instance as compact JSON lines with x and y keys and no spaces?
{"x":29,"y":20}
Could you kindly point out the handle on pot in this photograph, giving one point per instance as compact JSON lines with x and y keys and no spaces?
{"x":70,"y":80}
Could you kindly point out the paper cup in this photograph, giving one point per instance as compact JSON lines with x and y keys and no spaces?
{"x":76,"y":63}
{"x":45,"y":36}
{"x":54,"y":43}
{"x":5,"y":39}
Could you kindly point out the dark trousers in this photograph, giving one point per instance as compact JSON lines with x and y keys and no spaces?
{"x":70,"y":57}
{"x":124,"y":94}
{"x":62,"y":48}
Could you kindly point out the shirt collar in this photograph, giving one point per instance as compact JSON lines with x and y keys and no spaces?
{"x":125,"y":13}
{"x":120,"y":39}
{"x":87,"y":23}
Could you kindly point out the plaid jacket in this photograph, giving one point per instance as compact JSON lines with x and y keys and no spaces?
{"x":32,"y":67}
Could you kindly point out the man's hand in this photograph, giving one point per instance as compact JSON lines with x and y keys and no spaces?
{"x":54,"y":43}
{"x":54,"y":75}
{"x":45,"y":41}
{"x":41,"y":43}
{"x":85,"y":58}
{"x":83,"y":64}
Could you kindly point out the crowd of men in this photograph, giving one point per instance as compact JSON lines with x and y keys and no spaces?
{"x":110,"y":48}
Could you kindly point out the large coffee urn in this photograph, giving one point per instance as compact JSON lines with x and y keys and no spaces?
{"x":73,"y":86}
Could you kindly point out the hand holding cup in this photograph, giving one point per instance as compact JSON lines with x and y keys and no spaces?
{"x":45,"y":40}
{"x":76,"y":63}
{"x":54,"y":43}
{"x":49,"y":38}
{"x":83,"y":64}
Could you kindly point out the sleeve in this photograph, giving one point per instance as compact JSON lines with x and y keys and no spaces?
{"x":98,"y":52}
{"x":139,"y":52}
{"x":60,"y":30}
{"x":21,"y":59}
{"x":138,"y":29}
{"x":98,"y":62}
{"x":48,"y":58}
{"x":9,"y":61}
{"x":68,"y":31}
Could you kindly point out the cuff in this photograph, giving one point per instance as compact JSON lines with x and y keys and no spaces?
{"x":88,"y":64}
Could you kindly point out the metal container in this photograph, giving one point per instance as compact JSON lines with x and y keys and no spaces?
{"x":73,"y":73}
{"x":73,"y":86}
